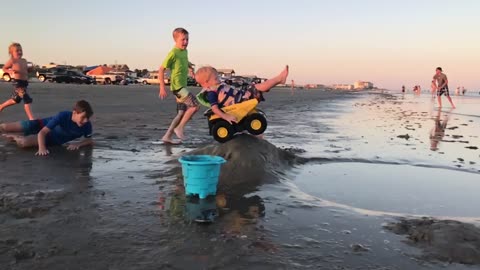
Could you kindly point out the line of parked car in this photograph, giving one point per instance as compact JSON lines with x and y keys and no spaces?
{"x":62,"y":75}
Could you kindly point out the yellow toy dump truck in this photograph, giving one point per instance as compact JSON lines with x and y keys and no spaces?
{"x":248,"y":116}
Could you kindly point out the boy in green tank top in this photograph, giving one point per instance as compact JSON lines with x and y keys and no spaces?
{"x":187,"y":104}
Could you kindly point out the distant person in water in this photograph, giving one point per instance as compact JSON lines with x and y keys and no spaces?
{"x":292,"y":86}
{"x":457,"y":91}
{"x":18,"y":66}
{"x":64,"y":127}
{"x":403,"y":88}
{"x":442,"y":86}
{"x":220,"y":95}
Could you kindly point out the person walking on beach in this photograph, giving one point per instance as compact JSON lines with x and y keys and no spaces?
{"x":442,"y":86}
{"x":19,"y":67}
{"x":187,"y":104}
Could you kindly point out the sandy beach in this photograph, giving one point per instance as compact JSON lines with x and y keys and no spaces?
{"x":343,"y":180}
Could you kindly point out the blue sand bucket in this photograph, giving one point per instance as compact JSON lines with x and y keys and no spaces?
{"x":200,"y":174}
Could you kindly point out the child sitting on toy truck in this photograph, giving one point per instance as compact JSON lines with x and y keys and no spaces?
{"x":218,"y":95}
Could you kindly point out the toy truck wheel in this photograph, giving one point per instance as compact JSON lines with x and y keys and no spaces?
{"x":256,"y":124}
{"x":222,"y":131}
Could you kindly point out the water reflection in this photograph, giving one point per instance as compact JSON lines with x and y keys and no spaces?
{"x":236,"y":210}
{"x":168,"y":150}
{"x":438,"y":131}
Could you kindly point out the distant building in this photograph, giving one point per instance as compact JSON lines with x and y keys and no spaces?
{"x":119,"y":67}
{"x":363,"y":85}
{"x":343,"y":86}
{"x":226,"y":73}
{"x":314,"y":86}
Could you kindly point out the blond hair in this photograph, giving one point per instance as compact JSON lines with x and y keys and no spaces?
{"x":13,"y":45}
{"x":178,"y":31}
{"x":205,"y":73}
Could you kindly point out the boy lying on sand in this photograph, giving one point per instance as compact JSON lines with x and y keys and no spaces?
{"x":64,"y":127}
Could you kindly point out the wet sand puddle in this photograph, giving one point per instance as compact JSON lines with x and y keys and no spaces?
{"x":397,"y":190}
{"x":387,"y":159}
{"x":329,"y":211}
{"x":394,"y":129}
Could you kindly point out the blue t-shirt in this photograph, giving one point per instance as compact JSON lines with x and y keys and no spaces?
{"x":63,"y":129}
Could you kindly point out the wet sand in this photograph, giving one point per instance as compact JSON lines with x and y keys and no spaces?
{"x":121,"y":205}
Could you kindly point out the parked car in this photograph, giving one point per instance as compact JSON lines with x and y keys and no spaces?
{"x":5,"y":75}
{"x":192,"y":82}
{"x":132,"y":80}
{"x":44,"y":75}
{"x":108,"y":78}
{"x":71,"y":76}
{"x":153,"y":79}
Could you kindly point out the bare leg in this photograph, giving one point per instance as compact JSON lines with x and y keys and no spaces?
{"x":7,"y":103}
{"x":28,"y":111}
{"x":439,"y":101}
{"x":451,"y":102}
{"x":181,"y":126}
{"x":167,"y":138}
{"x":11,"y":127}
{"x":270,"y":83}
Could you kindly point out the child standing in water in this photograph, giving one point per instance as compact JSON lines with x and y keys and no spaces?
{"x":187,"y":104}
{"x":18,"y":66}
{"x":442,"y":86}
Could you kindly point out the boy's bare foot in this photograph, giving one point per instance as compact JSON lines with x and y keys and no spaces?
{"x":179,"y":133}
{"x":10,"y":137}
{"x":168,"y":140}
{"x":284,"y":75}
{"x":172,"y":142}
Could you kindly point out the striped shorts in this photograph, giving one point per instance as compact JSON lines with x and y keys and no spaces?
{"x":185,"y":99}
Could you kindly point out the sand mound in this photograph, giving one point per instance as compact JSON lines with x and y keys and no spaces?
{"x":444,"y":240}
{"x":250,"y":162}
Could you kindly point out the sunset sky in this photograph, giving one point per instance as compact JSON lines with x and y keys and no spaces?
{"x":387,"y":42}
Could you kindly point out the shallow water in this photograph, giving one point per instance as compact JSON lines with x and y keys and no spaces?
{"x":403,"y":190}
{"x":122,"y":206}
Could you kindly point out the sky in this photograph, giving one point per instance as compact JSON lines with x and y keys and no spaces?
{"x":390,"y":43}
